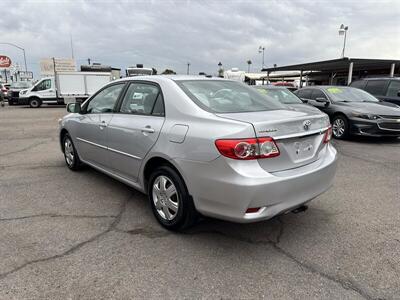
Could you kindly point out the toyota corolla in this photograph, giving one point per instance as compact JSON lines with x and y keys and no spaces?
{"x":204,"y":146}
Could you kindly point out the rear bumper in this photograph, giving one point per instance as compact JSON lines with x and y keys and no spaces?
{"x":226,"y":188}
{"x":375,"y":128}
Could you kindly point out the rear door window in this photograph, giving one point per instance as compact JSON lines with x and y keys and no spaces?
{"x":376,"y":87}
{"x":360,"y":84}
{"x":306,"y":93}
{"x":143,"y":99}
{"x":393,"y":89}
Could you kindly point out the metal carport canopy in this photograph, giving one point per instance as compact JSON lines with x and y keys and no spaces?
{"x":341,"y":64}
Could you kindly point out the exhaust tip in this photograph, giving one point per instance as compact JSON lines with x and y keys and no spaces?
{"x":300,"y":209}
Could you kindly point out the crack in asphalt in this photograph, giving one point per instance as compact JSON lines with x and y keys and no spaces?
{"x":373,"y":161}
{"x":73,"y":249}
{"x":49,"y":215}
{"x":386,"y":165}
{"x":30,"y":166}
{"x":154,"y":233}
{"x":346,"y":284}
{"x":26,"y":148}
{"x":146,"y":231}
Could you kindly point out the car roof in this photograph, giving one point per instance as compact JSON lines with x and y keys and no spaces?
{"x":161,"y":78}
{"x":272,"y":87}
{"x":324,"y":87}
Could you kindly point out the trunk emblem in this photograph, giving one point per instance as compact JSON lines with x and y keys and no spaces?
{"x":268,"y":130}
{"x":306,"y":124}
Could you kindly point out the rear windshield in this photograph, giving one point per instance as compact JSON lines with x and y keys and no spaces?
{"x":282,"y":95}
{"x":223,"y":96}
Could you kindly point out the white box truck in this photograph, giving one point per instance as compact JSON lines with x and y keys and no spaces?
{"x":62,"y":88}
{"x":235,"y":74}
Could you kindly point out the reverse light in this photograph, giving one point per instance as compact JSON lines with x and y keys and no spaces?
{"x":247,"y":149}
{"x":328,"y":135}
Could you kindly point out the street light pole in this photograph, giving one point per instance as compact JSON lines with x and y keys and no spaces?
{"x":23,"y":50}
{"x":220,"y":70}
{"x":26,"y":69}
{"x":343,"y":31}
{"x":262,"y":49}
{"x":188,"y":66}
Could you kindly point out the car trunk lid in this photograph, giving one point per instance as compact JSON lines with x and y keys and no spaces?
{"x":299,"y":135}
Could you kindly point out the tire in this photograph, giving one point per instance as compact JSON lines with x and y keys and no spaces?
{"x":70,"y":154}
{"x":175,"y":212}
{"x":340,"y":127}
{"x":35,"y":102}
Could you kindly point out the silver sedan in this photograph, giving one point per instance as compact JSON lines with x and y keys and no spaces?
{"x":205,"y":146}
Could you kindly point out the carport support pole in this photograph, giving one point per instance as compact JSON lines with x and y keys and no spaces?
{"x":267,"y":77}
{"x":350,"y":73}
{"x":301,"y":78}
{"x":392,"y":70}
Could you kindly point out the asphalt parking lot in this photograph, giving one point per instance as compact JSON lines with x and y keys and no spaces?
{"x":70,"y":235}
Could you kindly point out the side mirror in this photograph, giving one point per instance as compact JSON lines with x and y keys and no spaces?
{"x":304,"y":100}
{"x":321,"y":99}
{"x":74,"y":108}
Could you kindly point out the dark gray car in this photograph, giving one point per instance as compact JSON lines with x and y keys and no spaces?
{"x":354,"y":111}
{"x":385,"y":89}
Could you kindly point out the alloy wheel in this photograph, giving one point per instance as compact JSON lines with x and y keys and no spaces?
{"x":338,"y":127}
{"x":165,"y":198}
{"x":69,"y":152}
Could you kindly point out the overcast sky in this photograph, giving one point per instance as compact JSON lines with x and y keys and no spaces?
{"x":168,"y":34}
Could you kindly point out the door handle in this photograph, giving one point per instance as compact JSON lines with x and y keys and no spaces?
{"x":103,"y":124}
{"x":147,"y":129}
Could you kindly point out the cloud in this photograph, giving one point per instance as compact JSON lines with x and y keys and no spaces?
{"x":168,"y":34}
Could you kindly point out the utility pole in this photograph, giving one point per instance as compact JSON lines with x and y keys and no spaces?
{"x":23,"y":50}
{"x":188,"y":66}
{"x":261,"y":49}
{"x":72,"y":47}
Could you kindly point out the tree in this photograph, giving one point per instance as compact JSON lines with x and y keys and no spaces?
{"x":168,"y":71}
{"x":154,"y":71}
{"x":248,"y":65}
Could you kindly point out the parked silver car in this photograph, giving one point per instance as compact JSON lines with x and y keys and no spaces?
{"x":201,"y":145}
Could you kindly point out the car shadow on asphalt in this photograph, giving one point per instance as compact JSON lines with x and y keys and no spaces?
{"x":312,"y":222}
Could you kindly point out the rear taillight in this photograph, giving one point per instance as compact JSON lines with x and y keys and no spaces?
{"x":247,"y":149}
{"x":328,"y":135}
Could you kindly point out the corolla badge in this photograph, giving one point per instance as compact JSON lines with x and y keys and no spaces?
{"x":306,"y":124}
{"x":268,"y":130}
